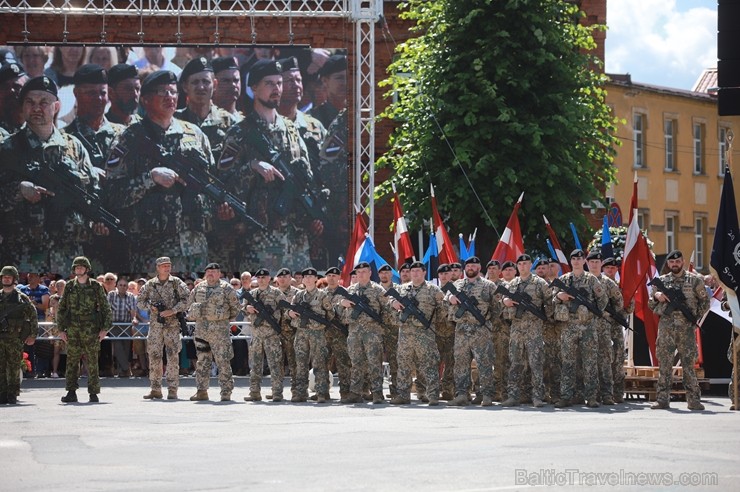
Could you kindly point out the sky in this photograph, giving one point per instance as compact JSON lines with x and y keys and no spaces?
{"x":661,"y":42}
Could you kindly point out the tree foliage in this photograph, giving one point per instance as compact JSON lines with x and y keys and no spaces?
{"x":507,"y":84}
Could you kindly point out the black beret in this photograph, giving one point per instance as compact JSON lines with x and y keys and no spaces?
{"x":443,"y":268}
{"x":333,"y":271}
{"x":283,"y":271}
{"x":309,"y":271}
{"x":674,"y":255}
{"x":12,"y":70}
{"x":594,"y":254}
{"x":213,"y":266}
{"x":90,"y":73}
{"x":493,"y":263}
{"x":335,"y":63}
{"x":121,"y":72}
{"x":262,"y":272}
{"x":508,"y":264}
{"x":609,"y":262}
{"x":418,"y":264}
{"x":42,"y":83}
{"x":405,"y":266}
{"x":385,"y":267}
{"x":577,"y":253}
{"x":544,"y":261}
{"x":353,"y":272}
{"x":262,"y":69}
{"x":473,"y":260}
{"x":224,"y":63}
{"x":456,"y":265}
{"x":199,"y":64}
{"x":362,"y":264}
{"x":155,"y":79}
{"x":288,"y":64}
{"x":524,"y":257}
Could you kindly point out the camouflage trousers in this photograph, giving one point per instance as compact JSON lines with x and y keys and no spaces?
{"x":417,"y":348}
{"x":446,"y":348}
{"x":310,"y":348}
{"x":617,"y":336}
{"x":734,"y":344}
{"x":473,"y":342}
{"x":265,"y":341}
{"x":365,"y":348}
{"x":552,"y":364}
{"x":501,"y":340}
{"x":676,"y":334}
{"x":390,"y":347}
{"x":287,"y":343}
{"x":604,"y":357}
{"x":11,"y":354}
{"x":163,"y":338}
{"x":83,"y":341}
{"x":337,"y":344}
{"x":213,"y":343}
{"x":526,"y":345}
{"x":579,"y":339}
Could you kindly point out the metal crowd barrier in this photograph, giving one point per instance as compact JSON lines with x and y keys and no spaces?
{"x":241,"y":330}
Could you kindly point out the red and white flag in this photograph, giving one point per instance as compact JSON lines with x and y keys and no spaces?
{"x":556,"y":246}
{"x":355,"y":241}
{"x":446,"y":253}
{"x":401,"y":236}
{"x":511,"y":244}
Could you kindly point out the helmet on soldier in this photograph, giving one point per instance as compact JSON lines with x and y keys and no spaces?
{"x":81,"y":261}
{"x":9,"y":270}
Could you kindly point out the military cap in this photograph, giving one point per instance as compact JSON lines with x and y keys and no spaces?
{"x":609,"y":262}
{"x":385,"y":267}
{"x":282,"y":272}
{"x":81,"y":261}
{"x":262,"y":272}
{"x":224,"y":63}
{"x":121,"y":72}
{"x":42,"y":83}
{"x":577,"y":253}
{"x":213,"y":266}
{"x":508,"y":264}
{"x":10,"y":71}
{"x":544,"y":261}
{"x":594,"y":254}
{"x":493,"y":263}
{"x":262,"y":69}
{"x":362,"y":264}
{"x":456,"y":265}
{"x":524,"y":257}
{"x":90,"y":73}
{"x":288,"y":64}
{"x":473,"y":260}
{"x":444,"y":268}
{"x":335,"y":63}
{"x":418,"y":264}
{"x":405,"y":266}
{"x":674,"y":255}
{"x":9,"y":270}
{"x":310,"y":271}
{"x":155,"y":79}
{"x":163,"y":260}
{"x":333,"y":271}
{"x":199,"y":64}
{"x":353,"y":272}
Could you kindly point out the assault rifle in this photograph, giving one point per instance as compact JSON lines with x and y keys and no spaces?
{"x":308,"y":314}
{"x":410,"y":307}
{"x":161,"y":306}
{"x":361,"y":305}
{"x":524,"y":302}
{"x":676,"y":300}
{"x":579,"y":296}
{"x":199,"y":180}
{"x":467,"y":303}
{"x":616,"y":316}
{"x":264,"y":312}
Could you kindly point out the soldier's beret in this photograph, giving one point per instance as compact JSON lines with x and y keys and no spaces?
{"x":405,"y":266}
{"x":456,"y":265}
{"x":288,"y":64}
{"x":155,"y":79}
{"x":362,"y":264}
{"x":493,"y":263}
{"x":577,"y":253}
{"x":90,"y":73}
{"x":213,"y":266}
{"x":385,"y":267}
{"x":444,"y":268}
{"x":199,"y":64}
{"x":674,"y":255}
{"x":262,"y":69}
{"x":335,"y":63}
{"x":609,"y":262}
{"x":508,"y":264}
{"x":42,"y":83}
{"x":310,"y":271}
{"x":594,"y":254}
{"x":262,"y":272}
{"x":10,"y":71}
{"x":282,"y":272}
{"x":473,"y":260}
{"x":120,"y":72}
{"x":544,"y":261}
{"x":353,"y":272}
{"x":224,"y":63}
{"x":333,"y":271}
{"x":524,"y":257}
{"x":418,"y":264}
{"x":163,"y":260}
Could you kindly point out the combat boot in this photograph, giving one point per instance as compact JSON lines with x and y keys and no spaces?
{"x":562,"y":403}
{"x":660,"y":405}
{"x":352,"y":398}
{"x":446,"y":395}
{"x":172,"y":394}
{"x":277,"y":398}
{"x":537,"y":403}
{"x":13,"y":400}
{"x":253,"y":396}
{"x":592,"y":403}
{"x":618,"y":399}
{"x":487,"y":401}
{"x":321,"y":398}
{"x":94,"y":398}
{"x":298,"y":399}
{"x":200,"y":395}
{"x":693,"y":405}
{"x":422,"y":397}
{"x":226,"y":396}
{"x":378,"y":398}
{"x":433,"y":401}
{"x":607,"y":400}
{"x":3,"y":399}
{"x":70,"y":397}
{"x":314,"y":397}
{"x":153,"y":395}
{"x":400,"y":400}
{"x":510,"y":402}
{"x":477,"y":400}
{"x":367,"y":396}
{"x":459,"y":401}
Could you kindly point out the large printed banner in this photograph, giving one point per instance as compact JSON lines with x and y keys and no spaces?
{"x":251,"y":170}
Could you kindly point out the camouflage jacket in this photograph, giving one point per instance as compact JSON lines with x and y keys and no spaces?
{"x":214,"y":125}
{"x":320,"y":303}
{"x":692,"y":287}
{"x":213,"y":305}
{"x":173,"y":293}
{"x":114,"y":119}
{"x":325,"y":113}
{"x":85,"y":306}
{"x":17,"y":316}
{"x":591,"y":286}
{"x":427,"y":297}
{"x":616,"y":299}
{"x":270,"y":298}
{"x":338,"y":309}
{"x":97,"y":143}
{"x":376,"y":300}
{"x":313,"y":134}
{"x":538,"y":291}
{"x":288,"y":295}
{"x":482,"y":291}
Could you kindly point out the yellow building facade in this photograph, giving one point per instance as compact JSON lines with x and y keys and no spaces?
{"x":676,"y":143}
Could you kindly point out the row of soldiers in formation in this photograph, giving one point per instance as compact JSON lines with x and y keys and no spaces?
{"x":204,"y":182}
{"x":534,"y":337}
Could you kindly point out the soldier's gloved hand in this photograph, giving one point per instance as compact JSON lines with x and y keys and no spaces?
{"x":266,"y":170}
{"x":166,"y":177}
{"x":317,"y":228}
{"x":225,"y":212}
{"x":100,"y":229}
{"x":32,"y":193}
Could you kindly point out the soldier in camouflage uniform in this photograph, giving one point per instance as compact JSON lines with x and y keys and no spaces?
{"x":157,"y":210}
{"x":501,"y":337}
{"x":12,"y":78}
{"x":445,"y":337}
{"x":579,"y":335}
{"x":228,"y":87}
{"x":170,"y":293}
{"x":676,"y":332}
{"x":390,"y":331}
{"x":124,"y":87}
{"x":526,"y":332}
{"x":310,"y":339}
{"x":18,"y":325}
{"x":213,"y":304}
{"x":333,"y":76}
{"x":83,"y":319}
{"x":610,"y":269}
{"x":47,"y":228}
{"x":473,"y":340}
{"x":335,"y":338}
{"x":552,"y":335}
{"x":265,"y":338}
{"x":365,"y":340}
{"x":287,"y":334}
{"x":417,"y":347}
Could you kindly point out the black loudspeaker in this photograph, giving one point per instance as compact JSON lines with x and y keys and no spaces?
{"x":728,"y":101}
{"x":728,"y":53}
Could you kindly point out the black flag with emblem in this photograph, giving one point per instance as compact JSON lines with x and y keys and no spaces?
{"x":725,"y":259}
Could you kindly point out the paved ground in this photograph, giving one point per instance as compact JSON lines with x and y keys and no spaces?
{"x":127,"y":443}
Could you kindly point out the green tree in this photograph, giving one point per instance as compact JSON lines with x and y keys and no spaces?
{"x":508,"y":85}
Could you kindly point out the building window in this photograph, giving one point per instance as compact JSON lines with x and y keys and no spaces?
{"x":642,"y":220}
{"x":699,"y":243}
{"x":670,"y":233}
{"x":722,"y":150}
{"x":638,"y":127}
{"x":698,"y":148}
{"x":669,"y":133}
